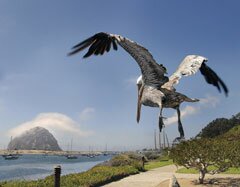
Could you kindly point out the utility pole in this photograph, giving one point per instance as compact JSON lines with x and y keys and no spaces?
{"x":155,"y":140}
{"x":71,"y":144}
{"x":160,"y":143}
{"x":164,"y":143}
{"x":106,"y":148}
{"x":167,"y":140}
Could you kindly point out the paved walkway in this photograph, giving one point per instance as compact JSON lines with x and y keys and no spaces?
{"x":150,"y":178}
{"x":154,"y":177}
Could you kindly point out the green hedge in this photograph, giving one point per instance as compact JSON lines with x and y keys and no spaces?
{"x":96,"y":176}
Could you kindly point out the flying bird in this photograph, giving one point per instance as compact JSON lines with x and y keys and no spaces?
{"x":155,"y":89}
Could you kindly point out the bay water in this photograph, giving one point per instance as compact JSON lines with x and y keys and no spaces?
{"x":32,"y":167}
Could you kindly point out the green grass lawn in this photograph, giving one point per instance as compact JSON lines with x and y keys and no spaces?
{"x":156,"y":164}
{"x":194,"y":171}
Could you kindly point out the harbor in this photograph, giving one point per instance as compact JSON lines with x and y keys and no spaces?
{"x":37,"y":166}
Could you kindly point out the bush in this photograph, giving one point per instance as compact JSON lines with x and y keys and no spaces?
{"x":131,"y":159}
{"x":98,"y":176}
{"x":152,"y":155}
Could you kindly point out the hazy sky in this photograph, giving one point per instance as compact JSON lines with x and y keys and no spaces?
{"x":93,"y":101}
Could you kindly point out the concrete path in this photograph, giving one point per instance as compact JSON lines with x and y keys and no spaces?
{"x":150,"y":178}
{"x":154,"y":177}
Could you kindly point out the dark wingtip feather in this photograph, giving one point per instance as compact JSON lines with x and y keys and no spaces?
{"x":88,"y":54}
{"x":73,"y":52}
{"x":99,"y":44}
{"x":224,"y":87}
{"x":88,"y":40}
{"x":81,"y":46}
{"x":212,"y":78}
{"x":114,"y":44}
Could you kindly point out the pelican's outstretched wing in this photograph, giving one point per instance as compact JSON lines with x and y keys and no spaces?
{"x":153,"y":73}
{"x":190,"y":65}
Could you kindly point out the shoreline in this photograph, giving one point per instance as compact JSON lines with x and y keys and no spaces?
{"x":104,"y":171}
{"x":128,"y":175}
{"x":34,"y":167}
{"x":2,"y":152}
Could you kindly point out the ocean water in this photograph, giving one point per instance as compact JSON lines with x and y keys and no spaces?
{"x":32,"y":167}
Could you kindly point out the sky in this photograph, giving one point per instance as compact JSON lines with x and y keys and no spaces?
{"x":93,"y":101}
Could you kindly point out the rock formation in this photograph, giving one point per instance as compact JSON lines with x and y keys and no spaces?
{"x":37,"y":138}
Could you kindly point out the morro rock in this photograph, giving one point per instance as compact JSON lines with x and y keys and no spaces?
{"x":37,"y":138}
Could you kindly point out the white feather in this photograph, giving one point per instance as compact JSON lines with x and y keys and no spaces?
{"x":189,"y":66}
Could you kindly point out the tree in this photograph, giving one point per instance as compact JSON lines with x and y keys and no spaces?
{"x":219,"y":126}
{"x":233,"y":138}
{"x":202,"y":153}
{"x":216,"y":127}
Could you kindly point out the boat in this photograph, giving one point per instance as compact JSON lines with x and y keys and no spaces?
{"x":105,"y":153}
{"x":10,"y":154}
{"x":10,"y":157}
{"x":71,"y":156}
{"x":91,"y":155}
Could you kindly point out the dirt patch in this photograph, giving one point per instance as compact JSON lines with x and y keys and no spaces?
{"x":218,"y":182}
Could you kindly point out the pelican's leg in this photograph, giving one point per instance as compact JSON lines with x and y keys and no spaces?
{"x":180,"y":127}
{"x":160,"y":120}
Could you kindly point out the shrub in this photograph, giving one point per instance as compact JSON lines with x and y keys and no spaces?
{"x":131,"y":159}
{"x":152,"y":155}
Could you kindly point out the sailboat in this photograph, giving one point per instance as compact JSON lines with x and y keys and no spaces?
{"x":90,"y":153}
{"x":9,"y":155}
{"x":71,"y":156}
{"x":105,"y":152}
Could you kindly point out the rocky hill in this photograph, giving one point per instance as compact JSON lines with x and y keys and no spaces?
{"x":37,"y":138}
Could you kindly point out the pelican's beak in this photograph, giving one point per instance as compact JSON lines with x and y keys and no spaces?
{"x":140,"y":91}
{"x":138,"y":88}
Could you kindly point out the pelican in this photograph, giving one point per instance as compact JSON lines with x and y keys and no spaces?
{"x":155,"y":89}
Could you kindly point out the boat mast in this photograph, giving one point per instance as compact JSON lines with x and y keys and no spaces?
{"x":160,"y":143}
{"x":167,"y":140}
{"x":155,"y":140}
{"x":164,"y":143}
{"x":71,"y":145}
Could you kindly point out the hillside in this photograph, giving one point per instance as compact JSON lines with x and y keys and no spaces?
{"x":233,"y":134}
{"x":37,"y":138}
{"x":219,"y":126}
